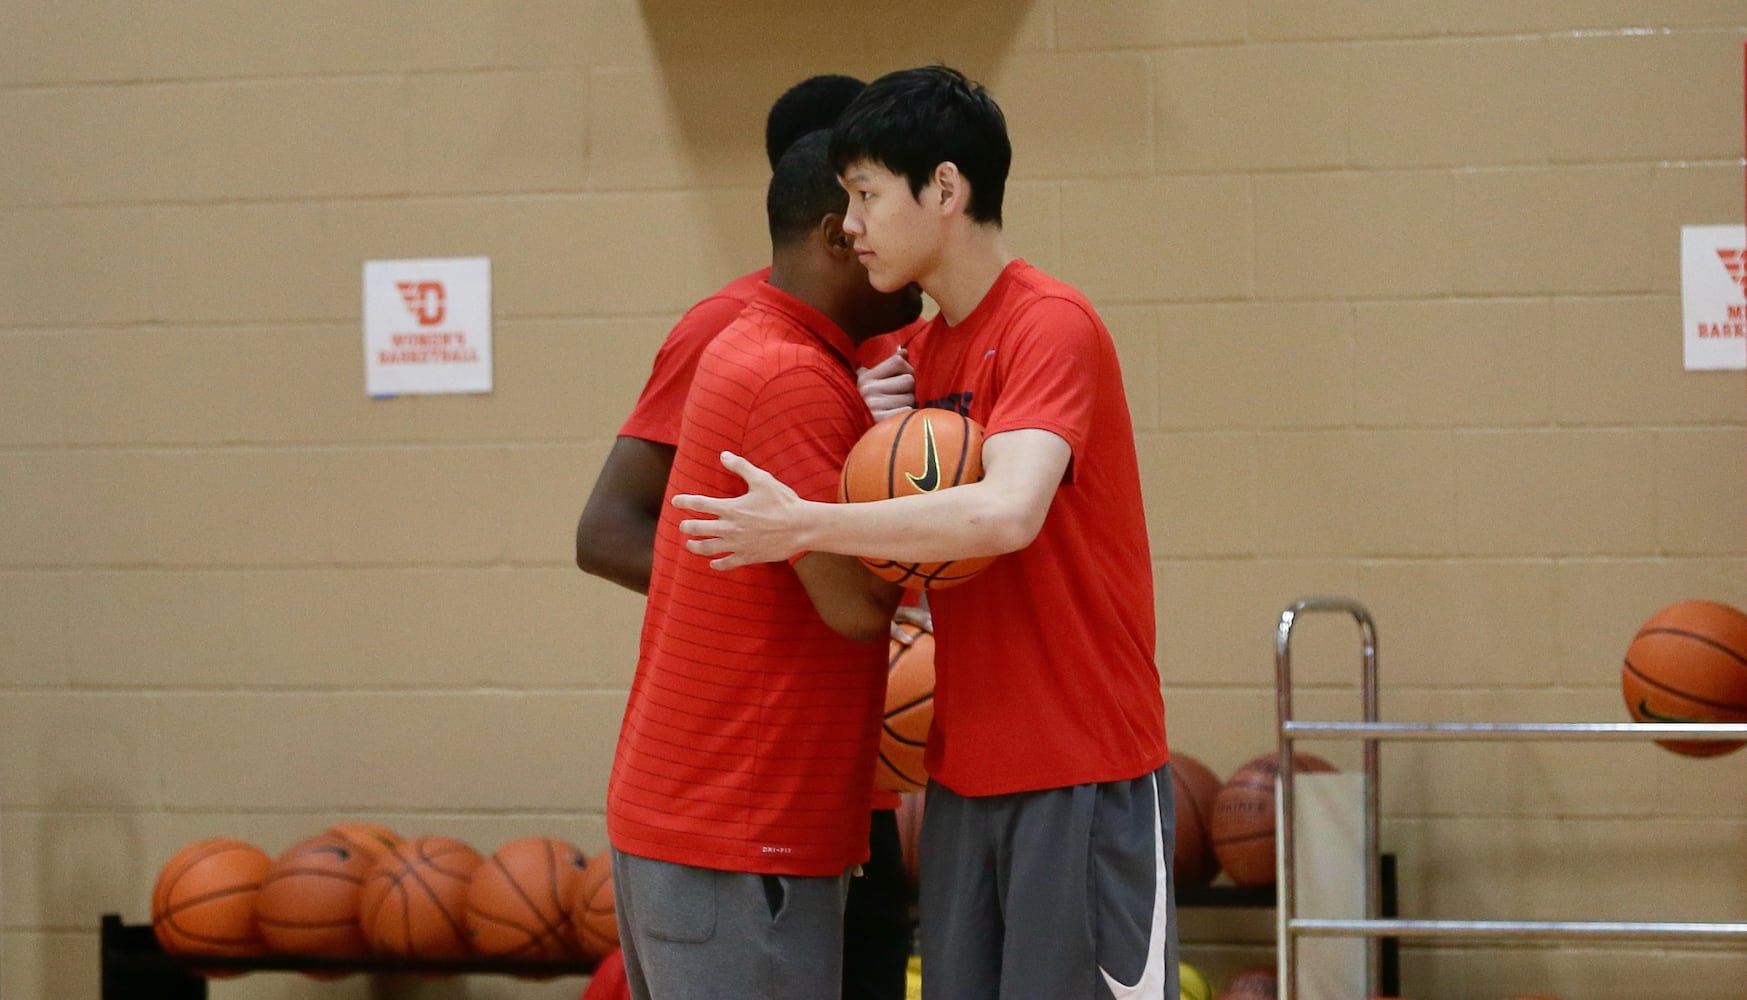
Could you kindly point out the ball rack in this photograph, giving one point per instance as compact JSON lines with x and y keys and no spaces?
{"x":135,"y":967}
{"x":1376,"y":924}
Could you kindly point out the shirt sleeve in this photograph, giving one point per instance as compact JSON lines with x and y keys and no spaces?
{"x":656,"y":417}
{"x":1049,"y":366}
{"x":806,"y":421}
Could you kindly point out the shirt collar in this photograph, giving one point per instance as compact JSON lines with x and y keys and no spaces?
{"x":809,"y":319}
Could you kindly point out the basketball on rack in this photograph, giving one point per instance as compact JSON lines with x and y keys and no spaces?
{"x":1688,"y":663}
{"x":373,"y":840}
{"x":414,"y":902}
{"x":919,"y":451}
{"x":309,"y":899}
{"x":1195,"y":788}
{"x":203,"y":902}
{"x":1258,"y":982}
{"x":518,"y":903}
{"x":1243,"y":817}
{"x":909,"y":710}
{"x":592,"y":910}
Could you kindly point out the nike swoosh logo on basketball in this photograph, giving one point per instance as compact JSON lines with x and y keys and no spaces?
{"x":1644,"y":710}
{"x":929,"y":481}
{"x":1152,"y":978}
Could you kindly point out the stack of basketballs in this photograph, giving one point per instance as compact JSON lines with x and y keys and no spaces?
{"x":358,"y":889}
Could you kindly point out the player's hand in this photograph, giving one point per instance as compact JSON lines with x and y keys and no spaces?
{"x":756,"y":526}
{"x":888,"y":387}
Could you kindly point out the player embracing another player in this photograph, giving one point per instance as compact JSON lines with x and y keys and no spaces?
{"x":1047,"y":838}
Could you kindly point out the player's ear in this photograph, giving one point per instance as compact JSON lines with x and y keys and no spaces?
{"x":948,"y":190}
{"x":836,"y":240}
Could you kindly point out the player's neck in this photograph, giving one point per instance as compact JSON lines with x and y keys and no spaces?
{"x":968,"y":268}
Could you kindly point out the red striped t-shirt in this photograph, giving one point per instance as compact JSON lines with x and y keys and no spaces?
{"x":751,"y":727}
{"x":657,"y":413}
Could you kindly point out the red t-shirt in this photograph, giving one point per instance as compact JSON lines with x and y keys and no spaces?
{"x":1044,"y":672}
{"x":656,"y":415}
{"x":749,"y":738}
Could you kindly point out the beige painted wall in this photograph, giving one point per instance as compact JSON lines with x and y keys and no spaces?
{"x":1395,"y":285}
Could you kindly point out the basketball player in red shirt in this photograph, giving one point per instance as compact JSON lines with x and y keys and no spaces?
{"x":616,"y":532}
{"x":739,"y":800}
{"x":1047,"y":838}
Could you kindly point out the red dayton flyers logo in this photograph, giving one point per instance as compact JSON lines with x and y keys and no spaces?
{"x":929,"y":480}
{"x":424,"y":299}
{"x":1735,"y":262}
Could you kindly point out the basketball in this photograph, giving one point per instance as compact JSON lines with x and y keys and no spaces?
{"x":909,"y":710}
{"x":203,"y":902}
{"x":1258,"y":982}
{"x":1243,"y":817}
{"x":309,"y":899}
{"x":1688,"y":663}
{"x":592,"y":910}
{"x":414,"y":901}
{"x":910,"y":834}
{"x":1191,"y":984}
{"x":919,"y":451}
{"x":373,"y":840}
{"x":1195,"y":787}
{"x":518,"y":903}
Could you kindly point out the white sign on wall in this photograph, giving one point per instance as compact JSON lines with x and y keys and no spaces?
{"x":1713,"y":295}
{"x":427,"y":326}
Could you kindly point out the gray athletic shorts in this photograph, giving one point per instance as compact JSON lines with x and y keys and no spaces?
{"x":702,"y":934}
{"x":1062,"y":894}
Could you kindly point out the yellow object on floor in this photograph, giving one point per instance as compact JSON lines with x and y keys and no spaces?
{"x":1192,"y":985}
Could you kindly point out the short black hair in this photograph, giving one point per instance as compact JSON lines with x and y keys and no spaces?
{"x":914,"y":120}
{"x":808,"y":106}
{"x":803,"y":189}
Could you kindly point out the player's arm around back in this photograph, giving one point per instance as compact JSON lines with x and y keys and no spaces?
{"x":855,"y":603}
{"x":1001,"y":513}
{"x":615,"y":536}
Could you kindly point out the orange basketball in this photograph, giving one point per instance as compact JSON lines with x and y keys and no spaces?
{"x":910,"y":806}
{"x":1258,"y":982}
{"x":1195,"y":787}
{"x":1688,"y":663}
{"x":518,"y":905}
{"x":309,"y":899}
{"x":1243,"y":817}
{"x":414,"y":901}
{"x":909,"y":710}
{"x":919,"y":451}
{"x":204,"y":900}
{"x":592,"y":909}
{"x":373,"y":840}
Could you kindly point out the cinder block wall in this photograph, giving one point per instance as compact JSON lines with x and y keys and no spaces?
{"x":1396,"y":287}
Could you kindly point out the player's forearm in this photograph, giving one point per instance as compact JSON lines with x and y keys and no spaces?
{"x":629,"y":566}
{"x":976,"y":519}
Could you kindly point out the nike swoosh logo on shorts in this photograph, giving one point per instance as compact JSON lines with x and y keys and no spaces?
{"x":930,"y":478}
{"x":1152,"y":978}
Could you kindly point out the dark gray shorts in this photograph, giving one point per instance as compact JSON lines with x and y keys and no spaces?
{"x":702,"y":934}
{"x":1061,"y":894}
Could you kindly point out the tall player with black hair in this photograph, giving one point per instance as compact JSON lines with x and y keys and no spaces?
{"x":1047,"y":839}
